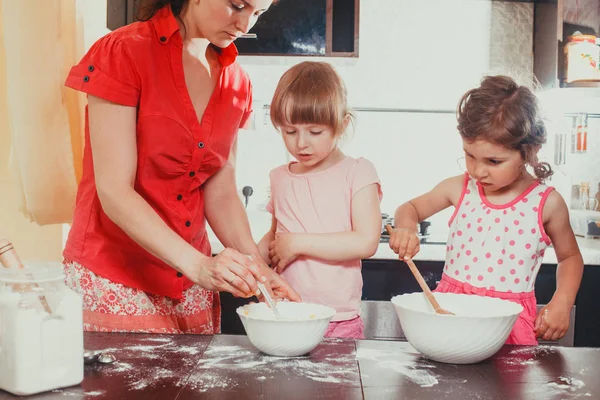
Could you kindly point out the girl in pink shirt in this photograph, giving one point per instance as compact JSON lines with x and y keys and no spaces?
{"x":325,"y":205}
{"x":504,"y":216}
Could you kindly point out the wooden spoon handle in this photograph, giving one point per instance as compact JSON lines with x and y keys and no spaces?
{"x":419,"y":278}
{"x":423,"y":284}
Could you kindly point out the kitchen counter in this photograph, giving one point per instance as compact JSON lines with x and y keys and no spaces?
{"x":590,"y":251}
{"x":228,"y":367}
{"x":260,"y":222}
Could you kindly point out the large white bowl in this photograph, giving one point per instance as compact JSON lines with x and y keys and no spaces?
{"x":302,"y":329}
{"x":477,"y":331}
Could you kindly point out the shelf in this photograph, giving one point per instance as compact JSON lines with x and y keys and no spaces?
{"x":586,"y":84}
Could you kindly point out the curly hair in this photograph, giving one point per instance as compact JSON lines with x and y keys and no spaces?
{"x":504,"y":113}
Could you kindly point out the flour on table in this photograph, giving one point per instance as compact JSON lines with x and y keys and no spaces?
{"x":387,"y":359}
{"x":219,"y":364}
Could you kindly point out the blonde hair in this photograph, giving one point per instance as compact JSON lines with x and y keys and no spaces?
{"x":310,"y":93}
{"x":504,"y":113}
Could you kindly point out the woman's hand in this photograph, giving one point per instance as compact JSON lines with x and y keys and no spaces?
{"x":405,"y":243}
{"x":229,"y":271}
{"x":552,"y":321}
{"x":283,"y":250}
{"x":280,"y":289}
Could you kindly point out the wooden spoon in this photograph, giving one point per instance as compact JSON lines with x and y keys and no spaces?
{"x":421,"y":281}
{"x":10,"y":259}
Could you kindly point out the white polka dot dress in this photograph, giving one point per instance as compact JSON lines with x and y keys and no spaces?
{"x":497,"y":247}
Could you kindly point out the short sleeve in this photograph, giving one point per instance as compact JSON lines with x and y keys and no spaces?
{"x":107,"y":71}
{"x":363,"y":175}
{"x":245,"y":122}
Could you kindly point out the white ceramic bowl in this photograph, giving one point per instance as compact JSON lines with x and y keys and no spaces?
{"x":302,"y":329}
{"x":477,"y":331}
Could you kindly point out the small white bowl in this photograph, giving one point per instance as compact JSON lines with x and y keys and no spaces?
{"x":477,"y":331}
{"x":301,"y":329}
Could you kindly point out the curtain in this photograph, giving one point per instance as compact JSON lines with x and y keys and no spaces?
{"x":39,"y":42}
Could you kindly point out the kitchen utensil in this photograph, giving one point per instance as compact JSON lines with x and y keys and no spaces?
{"x":269,"y":299}
{"x":97,"y":356}
{"x":10,"y":259}
{"x":487,"y":320}
{"x":422,"y":283}
{"x":302,"y":329}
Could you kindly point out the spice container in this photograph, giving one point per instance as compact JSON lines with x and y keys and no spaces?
{"x":581,"y":58}
{"x":41,"y":341}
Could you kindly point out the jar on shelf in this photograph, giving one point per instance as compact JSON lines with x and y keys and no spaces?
{"x":582,"y":56}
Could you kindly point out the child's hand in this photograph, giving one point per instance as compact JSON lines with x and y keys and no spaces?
{"x":405,"y":243}
{"x":553,"y":321}
{"x":283,"y":250}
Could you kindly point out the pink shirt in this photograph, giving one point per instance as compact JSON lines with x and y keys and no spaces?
{"x":497,"y":246}
{"x":321,"y":202}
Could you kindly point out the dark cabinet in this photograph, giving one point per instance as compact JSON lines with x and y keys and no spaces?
{"x":306,"y":28}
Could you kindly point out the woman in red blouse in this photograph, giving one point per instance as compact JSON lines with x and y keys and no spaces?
{"x":165,"y":101}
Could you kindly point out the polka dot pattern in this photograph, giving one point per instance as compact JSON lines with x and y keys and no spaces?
{"x":499,"y":247}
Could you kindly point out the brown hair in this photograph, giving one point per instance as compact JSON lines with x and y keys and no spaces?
{"x":504,"y":113}
{"x":310,"y":93}
{"x":146,"y":9}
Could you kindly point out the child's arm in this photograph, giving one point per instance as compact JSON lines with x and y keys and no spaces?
{"x":553,"y":320}
{"x":263,"y":245}
{"x":404,"y":240}
{"x":361,"y":242}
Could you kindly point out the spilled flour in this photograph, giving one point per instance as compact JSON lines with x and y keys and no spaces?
{"x":222,"y":366}
{"x":418,"y":373}
{"x":562,"y":388}
{"x":567,"y":383}
{"x":232,"y":366}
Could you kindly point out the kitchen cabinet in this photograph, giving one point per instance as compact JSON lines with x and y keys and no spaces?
{"x":306,"y":28}
{"x":290,"y":28}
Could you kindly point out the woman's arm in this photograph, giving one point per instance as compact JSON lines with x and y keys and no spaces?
{"x":228,"y":219}
{"x":224,"y":210}
{"x":553,"y":320}
{"x":361,"y":242}
{"x":114,"y":150}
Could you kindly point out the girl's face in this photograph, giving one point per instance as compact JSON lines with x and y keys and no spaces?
{"x":310,"y":144}
{"x":223,"y":21}
{"x":495,"y":167}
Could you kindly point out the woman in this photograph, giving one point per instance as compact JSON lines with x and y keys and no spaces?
{"x":165,"y":101}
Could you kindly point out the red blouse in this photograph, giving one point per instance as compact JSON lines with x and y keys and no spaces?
{"x":141,"y":65}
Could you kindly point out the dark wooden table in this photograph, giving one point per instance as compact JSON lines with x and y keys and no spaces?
{"x":228,"y":367}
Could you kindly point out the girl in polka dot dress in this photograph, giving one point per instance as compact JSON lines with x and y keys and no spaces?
{"x":504,"y":217}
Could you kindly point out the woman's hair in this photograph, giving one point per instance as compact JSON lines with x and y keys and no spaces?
{"x":310,"y":93}
{"x":504,"y":113}
{"x":147,"y":8}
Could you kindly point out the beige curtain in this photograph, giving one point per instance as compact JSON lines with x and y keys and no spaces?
{"x":39,"y":41}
